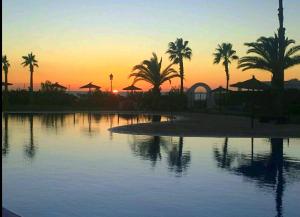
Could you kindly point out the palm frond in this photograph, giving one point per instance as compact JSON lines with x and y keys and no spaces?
{"x":150,"y":71}
{"x":291,"y":61}
{"x":293,"y":50}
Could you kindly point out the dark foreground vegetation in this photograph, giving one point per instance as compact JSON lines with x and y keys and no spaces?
{"x":95,"y":100}
{"x":238,"y":102}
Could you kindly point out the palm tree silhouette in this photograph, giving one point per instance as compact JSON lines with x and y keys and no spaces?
{"x":227,"y":54}
{"x":5,"y":66}
{"x":30,"y":61}
{"x":151,"y":72}
{"x":266,"y":57}
{"x":178,"y":51}
{"x":281,"y":45}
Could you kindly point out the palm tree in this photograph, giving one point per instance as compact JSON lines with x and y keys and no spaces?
{"x":266,"y":57}
{"x":30,"y":61}
{"x":178,"y":51}
{"x":5,"y":66}
{"x":227,"y":54}
{"x":151,"y":72}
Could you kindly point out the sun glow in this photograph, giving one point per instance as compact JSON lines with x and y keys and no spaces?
{"x":115,"y":91}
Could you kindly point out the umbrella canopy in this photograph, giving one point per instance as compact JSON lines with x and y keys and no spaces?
{"x":219,"y":89}
{"x":132,"y":88}
{"x":57,"y":85}
{"x":251,"y":84}
{"x":90,"y":86}
{"x":3,"y":83}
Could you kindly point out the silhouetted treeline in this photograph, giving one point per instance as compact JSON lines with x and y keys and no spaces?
{"x":262,"y":101}
{"x":235,"y":101}
{"x":96,"y":100}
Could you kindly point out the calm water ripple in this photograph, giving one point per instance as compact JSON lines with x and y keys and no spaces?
{"x":58,"y":165}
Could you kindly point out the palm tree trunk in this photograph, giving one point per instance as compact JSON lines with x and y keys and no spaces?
{"x":281,"y":36}
{"x":181,"y":74}
{"x":227,"y":77}
{"x":280,"y":75}
{"x":5,"y":95}
{"x":31,"y":81}
{"x":5,"y":74}
{"x":156,"y":97}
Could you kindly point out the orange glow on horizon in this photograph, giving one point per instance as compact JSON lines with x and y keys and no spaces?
{"x":81,"y":43}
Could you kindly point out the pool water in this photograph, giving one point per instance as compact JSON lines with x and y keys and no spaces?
{"x":58,"y":165}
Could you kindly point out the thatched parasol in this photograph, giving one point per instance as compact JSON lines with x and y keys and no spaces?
{"x":57,"y":85}
{"x":132,"y":88}
{"x":90,"y":86}
{"x":251,"y":84}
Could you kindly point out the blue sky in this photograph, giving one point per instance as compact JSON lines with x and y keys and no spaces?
{"x":127,"y":31}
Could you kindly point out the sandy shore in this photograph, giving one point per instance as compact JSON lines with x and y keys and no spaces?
{"x":211,"y":125}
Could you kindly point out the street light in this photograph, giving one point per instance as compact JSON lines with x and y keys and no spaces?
{"x":111,"y":79}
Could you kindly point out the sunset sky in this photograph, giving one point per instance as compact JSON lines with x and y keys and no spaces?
{"x":78,"y":41}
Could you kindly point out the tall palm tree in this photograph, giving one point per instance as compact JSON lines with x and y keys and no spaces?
{"x":30,"y":61}
{"x":178,"y":51}
{"x":225,"y":53}
{"x":281,"y":44}
{"x":266,"y":57}
{"x":151,"y":71}
{"x":5,"y":66}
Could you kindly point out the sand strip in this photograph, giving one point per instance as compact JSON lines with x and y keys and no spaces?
{"x":212,"y":125}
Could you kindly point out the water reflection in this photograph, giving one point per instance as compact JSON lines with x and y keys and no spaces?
{"x":178,"y":161}
{"x":272,"y":170}
{"x":151,"y":147}
{"x":130,"y":118}
{"x":109,"y":158}
{"x":5,"y":142}
{"x":222,"y":157}
{"x":148,"y":148}
{"x":90,"y":131}
{"x":30,"y":148}
{"x":53,"y":120}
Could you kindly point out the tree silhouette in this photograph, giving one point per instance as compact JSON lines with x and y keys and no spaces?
{"x":30,"y":61}
{"x":5,"y":66}
{"x":151,"y":72}
{"x":178,"y":51}
{"x":225,"y":53}
{"x":266,"y":57}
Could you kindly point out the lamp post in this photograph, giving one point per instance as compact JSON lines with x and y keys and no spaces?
{"x":111,"y":79}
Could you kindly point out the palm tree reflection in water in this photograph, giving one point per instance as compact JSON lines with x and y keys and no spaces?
{"x":30,"y":149}
{"x":5,"y":142}
{"x":178,"y":161}
{"x":267,"y":170}
{"x":150,"y":148}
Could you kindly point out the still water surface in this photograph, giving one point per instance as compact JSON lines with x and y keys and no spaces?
{"x":58,"y":165}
